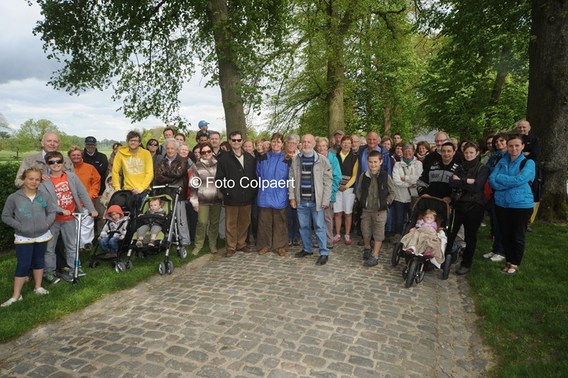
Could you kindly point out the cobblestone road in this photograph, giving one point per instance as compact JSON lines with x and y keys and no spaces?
{"x":265,"y":316}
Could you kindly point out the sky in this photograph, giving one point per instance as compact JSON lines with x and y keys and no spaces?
{"x":24,"y":94}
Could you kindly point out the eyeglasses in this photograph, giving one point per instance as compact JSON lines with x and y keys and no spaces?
{"x":440,"y":140}
{"x":206,"y":152}
{"x":51,"y":162}
{"x":236,"y":140}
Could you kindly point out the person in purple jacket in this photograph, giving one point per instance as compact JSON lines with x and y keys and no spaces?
{"x":272,"y":170}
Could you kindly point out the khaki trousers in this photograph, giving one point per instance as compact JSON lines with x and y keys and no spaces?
{"x":237,"y":222}
{"x":272,"y":228}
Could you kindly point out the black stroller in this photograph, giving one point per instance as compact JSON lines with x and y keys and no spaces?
{"x":416,"y":262}
{"x":127,"y":202}
{"x":169,"y":224}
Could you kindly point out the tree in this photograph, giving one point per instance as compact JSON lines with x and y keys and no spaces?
{"x":548,"y":98}
{"x":146,"y":50}
{"x":31,"y":132}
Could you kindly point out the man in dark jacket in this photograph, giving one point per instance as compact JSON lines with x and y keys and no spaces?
{"x":236,"y":179}
{"x":100,"y":161}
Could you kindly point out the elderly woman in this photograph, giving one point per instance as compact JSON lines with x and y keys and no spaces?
{"x":204,"y":199}
{"x":514,"y":200}
{"x":172,"y":170}
{"x":404,"y":176}
{"x":273,"y":166}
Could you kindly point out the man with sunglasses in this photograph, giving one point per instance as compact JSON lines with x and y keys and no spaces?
{"x":236,"y":173}
{"x":49,"y":143}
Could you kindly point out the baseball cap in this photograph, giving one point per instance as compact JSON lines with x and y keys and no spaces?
{"x":340,"y":132}
{"x":90,"y":140}
{"x":202,"y":123}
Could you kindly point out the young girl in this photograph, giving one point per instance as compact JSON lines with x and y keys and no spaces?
{"x":31,"y":213}
{"x":424,"y":238}
{"x":113,"y":231}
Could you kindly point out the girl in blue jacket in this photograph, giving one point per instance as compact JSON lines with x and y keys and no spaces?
{"x":514,"y":203}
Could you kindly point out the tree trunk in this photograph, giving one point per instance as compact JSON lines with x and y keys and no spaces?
{"x":335,"y":109}
{"x":548,"y":100}
{"x":229,"y":74}
{"x":387,"y":119}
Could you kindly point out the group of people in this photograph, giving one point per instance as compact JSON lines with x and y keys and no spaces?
{"x":277,"y":192}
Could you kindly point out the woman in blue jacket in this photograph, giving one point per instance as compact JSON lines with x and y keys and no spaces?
{"x":272,"y":198}
{"x":511,"y":182}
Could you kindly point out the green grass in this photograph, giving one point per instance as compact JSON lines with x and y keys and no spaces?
{"x":65,"y":298}
{"x":525,"y":317}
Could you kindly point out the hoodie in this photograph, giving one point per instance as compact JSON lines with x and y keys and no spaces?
{"x":136,"y":168}
{"x":29,"y":218}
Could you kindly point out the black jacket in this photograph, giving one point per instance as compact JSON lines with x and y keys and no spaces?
{"x":237,"y":183}
{"x":100,"y":162}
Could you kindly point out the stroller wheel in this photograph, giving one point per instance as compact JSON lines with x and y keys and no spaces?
{"x":93,"y":263}
{"x":161,"y":268}
{"x":120,"y":267}
{"x":169,"y":267}
{"x":182,"y":252}
{"x":396,"y":252}
{"x":128,"y":265}
{"x":420,"y":274}
{"x":412,"y":270}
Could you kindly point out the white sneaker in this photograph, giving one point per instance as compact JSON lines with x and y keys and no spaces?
{"x":497,"y":258}
{"x":41,"y":291}
{"x":11,"y":301}
{"x":488,"y":255}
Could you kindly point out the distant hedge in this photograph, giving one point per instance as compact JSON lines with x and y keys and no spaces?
{"x":7,"y":175}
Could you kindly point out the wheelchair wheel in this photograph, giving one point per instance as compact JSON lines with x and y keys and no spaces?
{"x":396,"y":252}
{"x":446,"y":267}
{"x":411,"y":275}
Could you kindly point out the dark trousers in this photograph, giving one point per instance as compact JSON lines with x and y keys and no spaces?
{"x":293,"y":225}
{"x":471,"y":220}
{"x":399,"y":211}
{"x":513,"y":224}
{"x":495,"y":229}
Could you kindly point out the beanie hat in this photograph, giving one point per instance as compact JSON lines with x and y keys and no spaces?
{"x":115,"y":209}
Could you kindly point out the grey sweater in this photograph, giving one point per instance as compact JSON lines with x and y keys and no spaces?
{"x":29,"y":218}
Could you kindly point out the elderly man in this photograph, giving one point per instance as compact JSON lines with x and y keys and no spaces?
{"x":373,"y":142}
{"x":49,"y":143}
{"x":310,"y":193}
{"x":355,"y":144}
{"x":236,"y":171}
{"x":172,"y":170}
{"x":337,"y":135}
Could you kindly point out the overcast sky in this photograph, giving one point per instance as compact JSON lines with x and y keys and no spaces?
{"x":24,"y":72}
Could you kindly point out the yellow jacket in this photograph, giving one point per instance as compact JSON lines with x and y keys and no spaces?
{"x":137,"y":169}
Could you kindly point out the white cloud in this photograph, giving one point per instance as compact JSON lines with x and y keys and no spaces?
{"x":24,"y":71}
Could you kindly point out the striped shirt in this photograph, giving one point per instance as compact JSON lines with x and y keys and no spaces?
{"x":307,"y":178}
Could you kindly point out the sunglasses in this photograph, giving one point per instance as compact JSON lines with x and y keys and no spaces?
{"x":153,"y":144}
{"x":51,"y":162}
{"x":236,"y":140}
{"x":206,"y":151}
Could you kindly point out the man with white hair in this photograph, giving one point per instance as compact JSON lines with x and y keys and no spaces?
{"x":49,"y":143}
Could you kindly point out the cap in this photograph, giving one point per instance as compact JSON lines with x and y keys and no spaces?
{"x":202,"y":123}
{"x":340,"y":132}
{"x":115,"y":209}
{"x":90,"y":140}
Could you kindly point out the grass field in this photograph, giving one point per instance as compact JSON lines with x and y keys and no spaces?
{"x":524,"y":317}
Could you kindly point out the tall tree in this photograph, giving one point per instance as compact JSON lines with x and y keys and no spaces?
{"x":30,"y":133}
{"x":147,"y":49}
{"x":548,"y":100}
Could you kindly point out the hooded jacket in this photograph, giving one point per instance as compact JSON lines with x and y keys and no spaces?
{"x":273,"y":167}
{"x":29,"y":218}
{"x":137,"y":169}
{"x":511,"y":184}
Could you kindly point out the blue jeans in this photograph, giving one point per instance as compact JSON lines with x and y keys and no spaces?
{"x":109,"y":244}
{"x":399,"y":210}
{"x":307,"y":211}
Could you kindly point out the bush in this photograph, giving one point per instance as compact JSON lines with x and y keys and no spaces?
{"x":7,"y":175}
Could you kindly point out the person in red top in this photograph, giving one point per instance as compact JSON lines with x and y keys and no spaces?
{"x":71,"y":196}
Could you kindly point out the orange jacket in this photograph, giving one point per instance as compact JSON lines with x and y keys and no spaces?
{"x":89,"y":177}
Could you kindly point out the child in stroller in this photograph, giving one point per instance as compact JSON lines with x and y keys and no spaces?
{"x":425,"y":239}
{"x":113,"y":231}
{"x":152,"y":220}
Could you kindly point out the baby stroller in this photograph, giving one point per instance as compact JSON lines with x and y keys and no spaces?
{"x":127,"y":202}
{"x":416,"y":262}
{"x":170,"y":231}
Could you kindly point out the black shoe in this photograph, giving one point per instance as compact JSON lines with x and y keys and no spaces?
{"x":462,"y":270}
{"x":366,"y":253}
{"x":302,"y":254}
{"x":371,"y":261}
{"x":322,"y":260}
